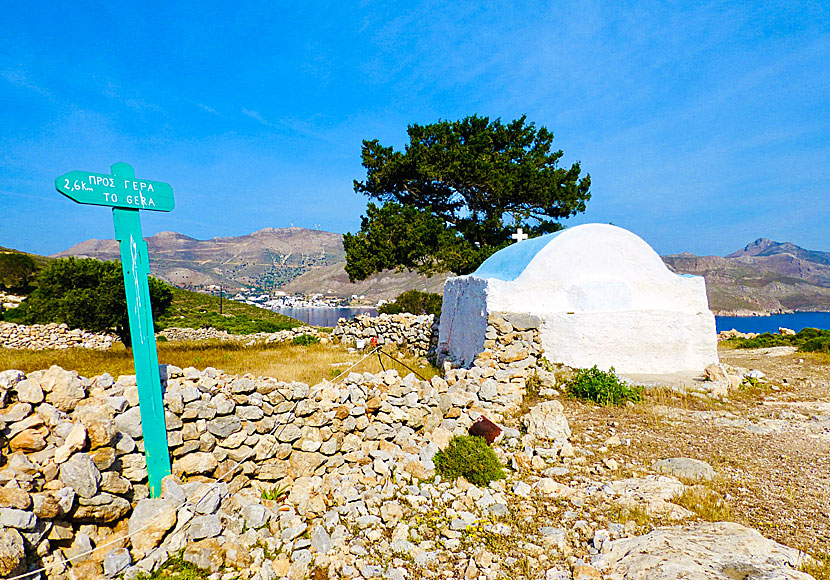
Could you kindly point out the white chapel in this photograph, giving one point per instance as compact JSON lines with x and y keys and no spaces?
{"x":603,"y":297}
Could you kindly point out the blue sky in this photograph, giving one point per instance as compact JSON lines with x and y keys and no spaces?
{"x":703,"y":125}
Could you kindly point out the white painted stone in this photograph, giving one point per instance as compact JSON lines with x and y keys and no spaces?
{"x":603,"y":296}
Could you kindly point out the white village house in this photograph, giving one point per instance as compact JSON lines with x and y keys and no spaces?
{"x":602,"y":297}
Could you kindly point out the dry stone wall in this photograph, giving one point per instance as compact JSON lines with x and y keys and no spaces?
{"x":73,"y":473}
{"x":51,"y":336}
{"x":274,"y":479}
{"x":190,"y":334}
{"x":60,"y":336}
{"x":415,"y":333}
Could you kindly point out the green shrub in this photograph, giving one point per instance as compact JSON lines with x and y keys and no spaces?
{"x":88,"y":294}
{"x":603,"y":387}
{"x":414,"y":302}
{"x":818,"y":344}
{"x":305,"y":339}
{"x":175,"y":568}
{"x":17,"y":270}
{"x":807,"y":340}
{"x":468,"y":457}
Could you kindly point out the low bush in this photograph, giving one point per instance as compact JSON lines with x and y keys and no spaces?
{"x":305,"y":339}
{"x":807,"y":340}
{"x":707,"y":504}
{"x":414,"y":302}
{"x":471,"y":458}
{"x":603,"y":387}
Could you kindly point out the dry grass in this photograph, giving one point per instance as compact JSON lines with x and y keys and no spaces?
{"x":636,"y":514}
{"x":818,"y":568}
{"x":308,"y":364}
{"x":775,"y":482}
{"x":706,"y":503}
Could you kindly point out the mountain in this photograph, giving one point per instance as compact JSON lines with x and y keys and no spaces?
{"x":764,"y":276}
{"x":265,"y":259}
{"x":386,"y":285}
{"x":296,"y":260}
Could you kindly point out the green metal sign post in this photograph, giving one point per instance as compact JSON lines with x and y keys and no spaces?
{"x":127,"y":195}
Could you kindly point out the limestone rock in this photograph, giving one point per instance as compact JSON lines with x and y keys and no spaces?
{"x":102,"y":508}
{"x":99,"y":425}
{"x":584,"y":572}
{"x":195,"y":463}
{"x":547,"y":421}
{"x":302,"y":463}
{"x":116,"y":561}
{"x":11,"y":497}
{"x":19,"y":519}
{"x":80,"y":473}
{"x":28,"y":441}
{"x":111,"y":482}
{"x":703,"y":551}
{"x":64,"y":387}
{"x":134,"y":467}
{"x":205,"y":554}
{"x":45,"y":506}
{"x":225,"y":426}
{"x":29,"y":391}
{"x":654,"y":492}
{"x":10,"y":378}
{"x":684,"y":467}
{"x":129,"y":422}
{"x":205,"y":527}
{"x":12,"y":554}
{"x":75,"y":441}
{"x":150,"y":521}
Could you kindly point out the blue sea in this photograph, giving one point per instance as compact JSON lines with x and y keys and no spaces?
{"x":796,"y":321}
{"x":324,"y":316}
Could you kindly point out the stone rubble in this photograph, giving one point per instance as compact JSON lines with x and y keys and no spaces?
{"x":275,"y":479}
{"x":51,"y":336}
{"x":416,"y":333}
{"x":191,"y":334}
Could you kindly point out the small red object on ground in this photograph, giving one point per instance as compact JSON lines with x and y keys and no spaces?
{"x":484,"y":427}
{"x":374,"y":341}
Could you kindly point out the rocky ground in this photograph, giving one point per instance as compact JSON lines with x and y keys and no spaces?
{"x":769,"y":444}
{"x":673,"y":487}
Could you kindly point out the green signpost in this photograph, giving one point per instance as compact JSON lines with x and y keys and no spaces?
{"x":127,"y":195}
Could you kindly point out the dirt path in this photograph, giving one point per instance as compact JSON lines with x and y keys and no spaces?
{"x":770,"y":444}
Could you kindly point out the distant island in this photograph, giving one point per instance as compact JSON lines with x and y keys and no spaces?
{"x":765,"y":277}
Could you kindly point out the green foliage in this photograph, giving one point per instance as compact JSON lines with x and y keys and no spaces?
{"x":468,"y":457}
{"x":414,"y":302}
{"x":195,"y":310}
{"x":275,"y":493}
{"x":455,"y":194}
{"x":807,"y":340}
{"x":305,"y":339}
{"x":17,"y":270}
{"x":603,"y":387}
{"x":88,"y":294}
{"x":175,"y":568}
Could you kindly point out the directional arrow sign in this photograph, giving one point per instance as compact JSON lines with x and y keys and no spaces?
{"x":127,"y":195}
{"x":115,"y":191}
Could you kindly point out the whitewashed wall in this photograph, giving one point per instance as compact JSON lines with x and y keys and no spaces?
{"x":604,"y":297}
